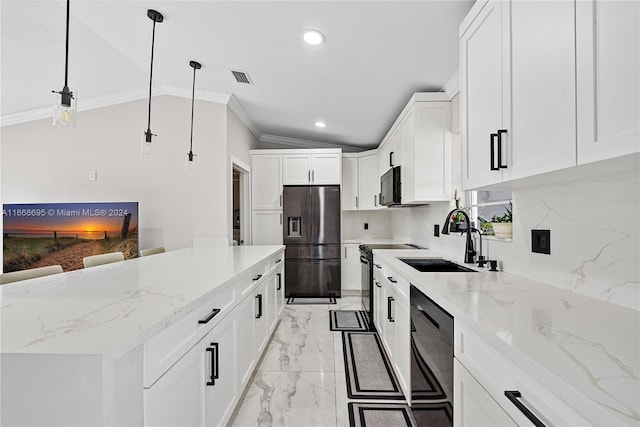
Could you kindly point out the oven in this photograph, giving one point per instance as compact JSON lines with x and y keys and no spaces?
{"x":366,"y":263}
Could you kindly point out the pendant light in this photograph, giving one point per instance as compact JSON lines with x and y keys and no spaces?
{"x":64,"y":102}
{"x":196,"y":66}
{"x":148,"y":150}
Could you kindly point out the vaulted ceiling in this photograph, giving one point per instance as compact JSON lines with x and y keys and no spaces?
{"x":375,"y":55}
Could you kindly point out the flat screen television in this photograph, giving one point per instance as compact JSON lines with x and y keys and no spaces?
{"x":41,"y":234}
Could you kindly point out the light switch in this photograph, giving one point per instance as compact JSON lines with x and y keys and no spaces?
{"x":93,"y":175}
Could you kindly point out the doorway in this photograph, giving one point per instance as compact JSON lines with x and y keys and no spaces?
{"x":240,"y":203}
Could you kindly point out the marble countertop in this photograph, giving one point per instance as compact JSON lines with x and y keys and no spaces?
{"x":567,"y":341}
{"x":110,"y":309}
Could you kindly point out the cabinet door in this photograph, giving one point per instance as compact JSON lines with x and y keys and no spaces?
{"x":472,"y":404}
{"x":296,"y":169}
{"x":352,"y":269}
{"x":402,"y":355}
{"x":176,"y":399}
{"x":608,"y":66}
{"x":279,"y":300}
{"x":266,"y":227}
{"x":220,"y":363}
{"x":266,"y":182}
{"x":483,"y":66}
{"x":542,"y":136}
{"x":246,"y":353}
{"x":271,"y":303}
{"x":383,"y":158}
{"x":368,"y":183}
{"x":379,"y":306}
{"x":389,"y":327}
{"x":326,"y":169}
{"x":350,"y":183}
{"x":261,"y":329}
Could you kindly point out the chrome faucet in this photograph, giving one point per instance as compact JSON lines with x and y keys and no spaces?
{"x":469,"y":252}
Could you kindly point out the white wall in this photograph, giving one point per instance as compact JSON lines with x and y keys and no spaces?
{"x":379,"y":225}
{"x":45,"y":164}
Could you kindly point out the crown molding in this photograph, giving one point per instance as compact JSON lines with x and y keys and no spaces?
{"x":114,"y":99}
{"x":452,"y":86}
{"x":304,"y":143}
{"x":235,"y":106}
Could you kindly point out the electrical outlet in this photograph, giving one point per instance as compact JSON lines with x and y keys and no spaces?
{"x":93,"y":175}
{"x":541,"y":241}
{"x":436,"y":230}
{"x":366,"y":225}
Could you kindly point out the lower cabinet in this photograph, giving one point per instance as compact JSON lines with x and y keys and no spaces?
{"x":203,"y":387}
{"x":351,"y":267}
{"x":473,"y":405}
{"x":200,"y":389}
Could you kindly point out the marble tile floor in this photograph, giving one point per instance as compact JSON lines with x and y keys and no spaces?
{"x":300,"y":380}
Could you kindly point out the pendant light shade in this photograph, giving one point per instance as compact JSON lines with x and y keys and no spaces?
{"x":190,"y":163}
{"x":148,"y":149}
{"x":64,"y":102}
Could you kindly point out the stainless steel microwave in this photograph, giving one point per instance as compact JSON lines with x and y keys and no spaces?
{"x":390,"y":187}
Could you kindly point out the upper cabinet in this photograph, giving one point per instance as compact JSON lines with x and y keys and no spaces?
{"x":517,"y":90}
{"x":546,"y":86}
{"x":608,"y":82}
{"x":300,"y":168}
{"x":360,"y":182}
{"x":266,"y":181}
{"x":420,"y":143}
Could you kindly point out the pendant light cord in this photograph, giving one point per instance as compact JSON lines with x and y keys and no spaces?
{"x":153,"y":40}
{"x":193,"y":95}
{"x":66,"y":55}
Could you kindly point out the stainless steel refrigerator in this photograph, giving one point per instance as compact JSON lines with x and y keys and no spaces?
{"x":312,"y":237}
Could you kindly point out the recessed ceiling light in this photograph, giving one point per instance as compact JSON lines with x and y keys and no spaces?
{"x":313,"y":37}
{"x":321,"y":124}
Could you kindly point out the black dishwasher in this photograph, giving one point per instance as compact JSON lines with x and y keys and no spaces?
{"x":431,"y":359}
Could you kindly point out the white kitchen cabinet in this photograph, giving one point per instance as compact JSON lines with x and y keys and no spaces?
{"x":473,"y":405}
{"x":351,"y":267}
{"x":388,"y":155}
{"x":497,"y":375}
{"x":608,"y":86}
{"x":266,"y":227}
{"x":368,"y":183}
{"x":312,"y":169}
{"x":402,"y":354}
{"x":425,"y":138}
{"x":246,"y":355}
{"x":261,"y":322}
{"x":517,"y":66}
{"x":350,"y":183}
{"x":379,"y":308}
{"x":200,"y":389}
{"x":266,"y":181}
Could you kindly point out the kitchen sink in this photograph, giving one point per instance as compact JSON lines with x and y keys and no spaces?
{"x":435,"y":265}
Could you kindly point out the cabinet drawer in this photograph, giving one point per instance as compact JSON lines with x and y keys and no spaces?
{"x":399,"y":283}
{"x":497,"y":375}
{"x":163,"y":350}
{"x":276,"y":261}
{"x":247,"y":282}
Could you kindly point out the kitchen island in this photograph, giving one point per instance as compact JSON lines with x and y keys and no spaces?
{"x":89,"y":347}
{"x":581,"y":353}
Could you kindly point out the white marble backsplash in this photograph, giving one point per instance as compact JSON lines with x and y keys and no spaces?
{"x":379,"y":224}
{"x":595,"y":236}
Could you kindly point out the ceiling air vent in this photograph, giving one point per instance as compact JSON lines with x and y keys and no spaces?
{"x":241,"y":77}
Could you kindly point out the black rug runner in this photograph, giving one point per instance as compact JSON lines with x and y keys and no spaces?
{"x":400,"y":415}
{"x":348,"y":320}
{"x":368,"y":370}
{"x":302,"y":300}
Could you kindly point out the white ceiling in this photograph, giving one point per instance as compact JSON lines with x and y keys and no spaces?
{"x":376,"y":54}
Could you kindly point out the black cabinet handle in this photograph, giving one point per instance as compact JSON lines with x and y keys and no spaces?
{"x":377,"y":265}
{"x":500,"y":132}
{"x":389,"y":300}
{"x":279,"y":260}
{"x":493,"y":150}
{"x":364,"y":260}
{"x":377,"y":283}
{"x":391,"y":159}
{"x":513,"y":396}
{"x":215,"y":364}
{"x":259,"y":298}
{"x":257,"y":277}
{"x":210,"y":316}
{"x":279,"y":281}
{"x":392,"y":280}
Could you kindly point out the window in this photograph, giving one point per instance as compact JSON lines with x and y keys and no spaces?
{"x":484,"y":205}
